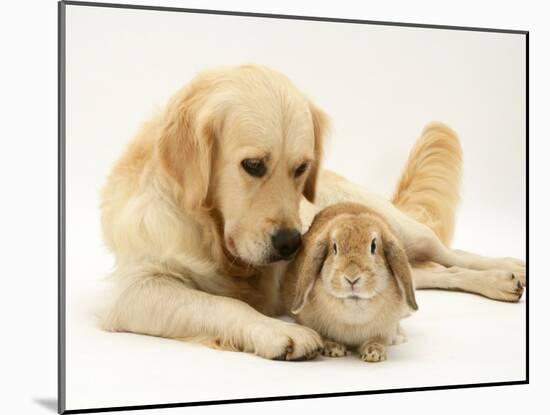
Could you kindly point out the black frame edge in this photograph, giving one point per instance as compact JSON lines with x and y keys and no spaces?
{"x":291,"y":17}
{"x":61,"y":328}
{"x":527,"y":296}
{"x":291,"y":397}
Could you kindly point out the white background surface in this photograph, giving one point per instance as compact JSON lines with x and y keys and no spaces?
{"x":28,"y":306}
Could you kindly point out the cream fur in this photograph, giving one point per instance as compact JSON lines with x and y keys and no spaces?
{"x":428,"y":190}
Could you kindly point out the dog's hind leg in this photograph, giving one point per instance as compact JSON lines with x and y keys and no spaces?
{"x":474,"y":261}
{"x":492,"y":283}
{"x":435,"y":251}
{"x":422,"y":244}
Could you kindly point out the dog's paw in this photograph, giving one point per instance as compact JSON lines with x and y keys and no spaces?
{"x":372,"y":352}
{"x":521,"y":276}
{"x":504,"y":285}
{"x":515,"y":266}
{"x":333,"y":349}
{"x":280,"y":340}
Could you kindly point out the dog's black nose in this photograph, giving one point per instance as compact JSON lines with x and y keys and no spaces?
{"x":286,"y":242}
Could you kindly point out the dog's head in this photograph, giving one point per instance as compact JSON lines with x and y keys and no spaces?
{"x":244,"y":142}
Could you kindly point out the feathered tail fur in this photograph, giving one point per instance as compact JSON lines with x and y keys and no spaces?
{"x":429,"y":187}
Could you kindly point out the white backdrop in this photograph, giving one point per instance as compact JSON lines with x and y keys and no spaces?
{"x":28,"y":307}
{"x":380,"y":85}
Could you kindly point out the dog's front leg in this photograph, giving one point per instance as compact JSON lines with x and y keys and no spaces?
{"x":164,"y":306}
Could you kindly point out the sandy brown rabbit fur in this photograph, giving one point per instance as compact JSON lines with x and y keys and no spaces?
{"x":351,"y":282}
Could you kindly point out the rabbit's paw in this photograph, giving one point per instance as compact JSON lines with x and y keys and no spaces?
{"x":333,"y":349}
{"x":372,"y":352}
{"x":399,"y":337}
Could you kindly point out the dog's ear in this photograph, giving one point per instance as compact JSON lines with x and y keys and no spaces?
{"x":320,"y":129}
{"x":186,"y":143}
{"x":308,"y":266}
{"x":399,"y":264}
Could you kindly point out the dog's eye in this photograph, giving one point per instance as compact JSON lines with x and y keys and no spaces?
{"x":335,"y":249}
{"x":254,"y":167}
{"x":373,"y":246}
{"x":300,"y":170}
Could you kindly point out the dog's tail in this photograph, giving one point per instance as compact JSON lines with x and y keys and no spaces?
{"x":428,"y":189}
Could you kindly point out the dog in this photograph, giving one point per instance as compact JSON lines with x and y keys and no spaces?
{"x":206,"y":207}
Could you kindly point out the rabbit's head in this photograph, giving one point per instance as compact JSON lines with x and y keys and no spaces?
{"x":354,"y":257}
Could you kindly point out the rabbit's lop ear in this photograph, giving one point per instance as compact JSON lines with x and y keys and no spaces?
{"x":399,"y":264}
{"x":308,"y":268}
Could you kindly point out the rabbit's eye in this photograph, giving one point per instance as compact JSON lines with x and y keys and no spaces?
{"x":373,"y":246}
{"x":335,"y":248}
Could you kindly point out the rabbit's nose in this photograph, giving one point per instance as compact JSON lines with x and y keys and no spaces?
{"x":352,"y":280}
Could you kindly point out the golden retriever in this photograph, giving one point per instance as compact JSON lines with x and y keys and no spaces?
{"x":206,"y":206}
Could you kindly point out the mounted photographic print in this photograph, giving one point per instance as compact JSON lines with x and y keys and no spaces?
{"x":258,"y":207}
